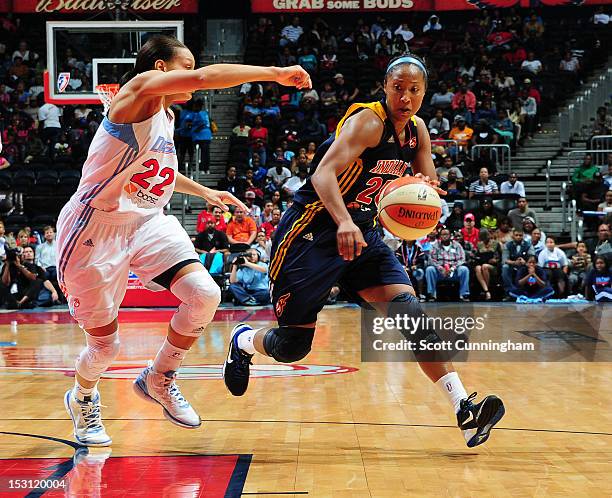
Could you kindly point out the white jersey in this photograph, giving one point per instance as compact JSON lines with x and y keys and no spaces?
{"x":130,"y":168}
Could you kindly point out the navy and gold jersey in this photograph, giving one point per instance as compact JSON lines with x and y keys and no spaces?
{"x":361,"y":182}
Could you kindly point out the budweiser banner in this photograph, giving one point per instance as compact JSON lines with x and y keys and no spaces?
{"x":306,"y":6}
{"x":93,"y":6}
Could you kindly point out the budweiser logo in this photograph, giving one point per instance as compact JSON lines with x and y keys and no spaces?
{"x":67,"y":5}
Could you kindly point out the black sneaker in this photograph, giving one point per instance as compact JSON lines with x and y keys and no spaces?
{"x":236,"y":365}
{"x":477,"y":420}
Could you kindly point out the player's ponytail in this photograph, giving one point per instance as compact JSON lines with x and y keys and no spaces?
{"x":158,"y":47}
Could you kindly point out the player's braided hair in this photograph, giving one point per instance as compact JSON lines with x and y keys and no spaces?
{"x":158,"y":47}
{"x":412,"y":59}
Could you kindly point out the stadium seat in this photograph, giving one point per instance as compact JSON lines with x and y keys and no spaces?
{"x":68,"y":182}
{"x":504,"y":205}
{"x":15,"y":222}
{"x":6,"y":180}
{"x":46,"y":181}
{"x":23,"y":180}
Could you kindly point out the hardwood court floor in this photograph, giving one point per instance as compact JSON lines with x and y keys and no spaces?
{"x":371,"y":430}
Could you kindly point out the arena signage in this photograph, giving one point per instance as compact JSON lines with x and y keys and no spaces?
{"x":306,"y":6}
{"x":85,"y":6}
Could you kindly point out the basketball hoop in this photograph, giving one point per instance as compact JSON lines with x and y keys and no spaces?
{"x":106,"y":92}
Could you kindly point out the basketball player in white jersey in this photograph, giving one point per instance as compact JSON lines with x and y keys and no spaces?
{"x":115,"y":223}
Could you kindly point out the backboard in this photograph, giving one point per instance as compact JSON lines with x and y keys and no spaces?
{"x":83,"y":54}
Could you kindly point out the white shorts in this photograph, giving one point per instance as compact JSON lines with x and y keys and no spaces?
{"x":96,"y":251}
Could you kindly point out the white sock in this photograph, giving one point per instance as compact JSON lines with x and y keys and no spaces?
{"x":450,"y":384}
{"x":80,"y":392}
{"x":245,"y":341}
{"x":169,"y":358}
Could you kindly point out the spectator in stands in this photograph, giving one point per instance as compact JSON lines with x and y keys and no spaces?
{"x":49,"y":115}
{"x":598,"y":282}
{"x":601,"y":246}
{"x":453,"y":186}
{"x":486,"y":113}
{"x":531,"y":282}
{"x":486,"y":217}
{"x":591,"y":193}
{"x":464,"y":95}
{"x":399,"y":46}
{"x":46,"y":253}
{"x":504,"y":231}
{"x":432,"y":24}
{"x":513,"y":186}
{"x":346,"y":92}
{"x":254,"y":210}
{"x":569,"y":64}
{"x":19,"y":70}
{"x":461,"y":132}
{"x":329,"y":61}
{"x":201,"y":134}
{"x":278,"y":175}
{"x":220,"y":223}
{"x":241,"y":129}
{"x":203,"y":217}
{"x":529,"y":112}
{"x":606,"y":205}
{"x":412,"y":257}
{"x":404,"y":31}
{"x":446,"y":263}
{"x":484,"y":185}
{"x":249,"y":280}
{"x":211,"y":240}
{"x":442,"y":99}
{"x":603,"y":122}
{"x":487,"y":257}
{"x":579,"y":264}
{"x":518,"y":119}
{"x":377,"y":91}
{"x":469,"y":231}
{"x":600,"y":17}
{"x":533,"y":28}
{"x":293,"y":184}
{"x":276,"y":200}
{"x":311,"y":129}
{"x":269,"y":227}
{"x":231,"y":183}
{"x":240,"y":231}
{"x":537,"y":241}
{"x":529,"y":226}
{"x":504,"y":127}
{"x":263,"y":246}
{"x":286,"y":58}
{"x":585,"y":172}
{"x":266,"y":213}
{"x":439,"y":122}
{"x":21,"y":280}
{"x":258,"y":139}
{"x":448,"y":166}
{"x":308,"y":60}
{"x":556,"y":265}
{"x":519,"y":213}
{"x":531,"y":64}
{"x":24,"y":53}
{"x":291,"y":33}
{"x":608,"y":176}
{"x":455,"y":221}
{"x":514,"y":256}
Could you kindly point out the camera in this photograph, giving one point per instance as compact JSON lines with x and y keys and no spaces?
{"x":12,"y":255}
{"x":240,"y":259}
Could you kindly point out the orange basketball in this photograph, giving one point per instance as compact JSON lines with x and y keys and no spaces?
{"x":409,"y":208}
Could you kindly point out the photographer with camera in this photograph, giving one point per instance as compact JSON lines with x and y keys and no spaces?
{"x":22,"y":280}
{"x":249,"y":279}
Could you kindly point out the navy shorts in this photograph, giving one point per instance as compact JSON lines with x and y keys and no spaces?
{"x":305,"y":265}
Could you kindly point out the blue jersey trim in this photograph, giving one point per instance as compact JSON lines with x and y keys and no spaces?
{"x":123,"y":132}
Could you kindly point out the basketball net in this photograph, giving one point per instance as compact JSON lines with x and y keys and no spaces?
{"x":106,"y":92}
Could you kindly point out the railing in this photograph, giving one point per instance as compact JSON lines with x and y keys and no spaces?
{"x":573,"y":153}
{"x":578,"y":114}
{"x":547,"y":201}
{"x":196,"y":163}
{"x":601,"y":143}
{"x":563,"y":198}
{"x":493,"y":148}
{"x":573,"y":220}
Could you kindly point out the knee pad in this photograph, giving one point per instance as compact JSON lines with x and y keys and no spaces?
{"x":97,"y":356}
{"x":406,"y":304}
{"x":288,"y":344}
{"x":200,"y":297}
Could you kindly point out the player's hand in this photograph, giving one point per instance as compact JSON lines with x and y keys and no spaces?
{"x":222,"y":199}
{"x":294,"y":76}
{"x":433,"y":183}
{"x":350,"y":240}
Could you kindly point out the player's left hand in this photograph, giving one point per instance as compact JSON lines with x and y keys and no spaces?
{"x":222,"y":199}
{"x":294,"y":76}
{"x":434,"y":183}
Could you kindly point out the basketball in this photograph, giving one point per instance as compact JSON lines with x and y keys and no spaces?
{"x":409,"y":208}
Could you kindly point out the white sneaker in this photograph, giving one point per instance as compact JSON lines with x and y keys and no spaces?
{"x":85,"y":415}
{"x":161,"y":388}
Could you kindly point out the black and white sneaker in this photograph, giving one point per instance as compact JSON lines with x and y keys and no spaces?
{"x":236,"y":366}
{"x":477,"y":420}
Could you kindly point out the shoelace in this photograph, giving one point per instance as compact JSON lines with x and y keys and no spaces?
{"x":468,"y":401}
{"x":91,"y":415}
{"x":173,"y":390}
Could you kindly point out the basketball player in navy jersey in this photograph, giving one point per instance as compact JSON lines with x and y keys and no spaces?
{"x":328,"y":237}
